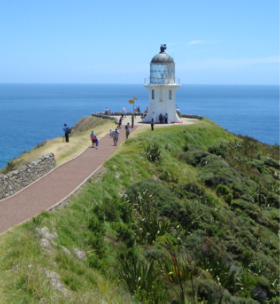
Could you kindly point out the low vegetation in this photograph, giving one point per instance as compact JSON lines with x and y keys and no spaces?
{"x":186,"y":214}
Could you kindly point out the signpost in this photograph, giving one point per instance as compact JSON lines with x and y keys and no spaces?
{"x":131,"y":101}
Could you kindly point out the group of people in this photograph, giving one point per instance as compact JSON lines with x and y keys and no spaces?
{"x":115,"y":134}
{"x":121,"y":120}
{"x":107,"y":111}
{"x":137,"y":110}
{"x":95,"y":142}
{"x":163,"y":118}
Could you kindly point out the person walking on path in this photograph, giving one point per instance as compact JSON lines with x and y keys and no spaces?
{"x":66,"y":132}
{"x":127,"y":130}
{"x":120,"y":122}
{"x":152,"y":124}
{"x":116,"y":136}
{"x":93,"y":138}
{"x":96,"y":143}
{"x":111,"y":133}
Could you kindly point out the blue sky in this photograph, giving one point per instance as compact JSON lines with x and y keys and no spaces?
{"x":109,"y":41}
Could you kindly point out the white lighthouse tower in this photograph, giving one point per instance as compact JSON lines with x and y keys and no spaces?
{"x":162,"y":86}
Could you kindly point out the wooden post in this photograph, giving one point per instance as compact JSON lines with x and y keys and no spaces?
{"x":132,"y":120}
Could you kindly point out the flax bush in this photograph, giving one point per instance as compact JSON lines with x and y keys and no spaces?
{"x":153,"y":153}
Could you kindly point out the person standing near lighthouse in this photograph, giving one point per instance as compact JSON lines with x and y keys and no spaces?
{"x":152,"y":124}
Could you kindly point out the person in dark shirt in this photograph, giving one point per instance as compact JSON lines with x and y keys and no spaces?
{"x":152,"y":124}
{"x":93,"y":138}
{"x":127,"y":130}
{"x":66,"y":132}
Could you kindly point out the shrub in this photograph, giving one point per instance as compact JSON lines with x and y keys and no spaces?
{"x":193,"y":156}
{"x":215,"y":171}
{"x":126,"y":210}
{"x":176,"y":268}
{"x":217,"y":151}
{"x":149,"y":224}
{"x":167,"y":202}
{"x":194,"y":188}
{"x":111,"y":211}
{"x":209,"y":200}
{"x":140,"y":276}
{"x":168,"y":177}
{"x":98,"y":212}
{"x":257,"y":164}
{"x":271,"y":163}
{"x":96,"y":239}
{"x":153,"y":153}
{"x":95,"y":225}
{"x":154,"y":254}
{"x":224,"y":192}
{"x":220,"y":271}
{"x":125,"y":233}
{"x":273,"y":200}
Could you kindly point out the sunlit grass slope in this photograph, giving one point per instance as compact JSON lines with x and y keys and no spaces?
{"x":186,"y":214}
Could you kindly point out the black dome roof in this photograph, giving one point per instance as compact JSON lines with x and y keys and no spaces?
{"x":162,"y":57}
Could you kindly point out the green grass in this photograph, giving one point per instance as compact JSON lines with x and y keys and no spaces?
{"x":149,"y":214}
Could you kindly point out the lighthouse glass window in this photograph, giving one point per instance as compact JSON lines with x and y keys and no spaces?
{"x":170,"y":94}
{"x":162,"y":73}
{"x":153,"y":94}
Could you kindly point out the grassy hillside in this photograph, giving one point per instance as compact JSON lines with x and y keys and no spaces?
{"x":186,"y":214}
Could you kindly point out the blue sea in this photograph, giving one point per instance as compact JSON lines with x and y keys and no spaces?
{"x":32,"y":113}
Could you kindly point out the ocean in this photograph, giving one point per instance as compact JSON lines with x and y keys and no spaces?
{"x":32,"y":113}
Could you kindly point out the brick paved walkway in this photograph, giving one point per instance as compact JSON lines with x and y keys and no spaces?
{"x":57,"y":185}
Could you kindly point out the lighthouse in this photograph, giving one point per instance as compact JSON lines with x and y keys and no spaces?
{"x":162,"y":86}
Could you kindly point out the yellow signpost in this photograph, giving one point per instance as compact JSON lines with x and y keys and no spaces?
{"x":131,"y":101}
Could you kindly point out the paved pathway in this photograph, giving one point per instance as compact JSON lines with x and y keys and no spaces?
{"x":60,"y":183}
{"x":57,"y":185}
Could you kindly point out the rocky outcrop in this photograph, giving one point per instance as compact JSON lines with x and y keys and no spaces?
{"x":16,"y":180}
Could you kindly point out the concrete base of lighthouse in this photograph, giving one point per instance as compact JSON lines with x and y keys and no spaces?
{"x":162,"y":101}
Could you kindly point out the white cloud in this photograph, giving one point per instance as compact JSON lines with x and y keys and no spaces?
{"x":196,"y":42}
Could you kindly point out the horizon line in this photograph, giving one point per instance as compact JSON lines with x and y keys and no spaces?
{"x":105,"y":83}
